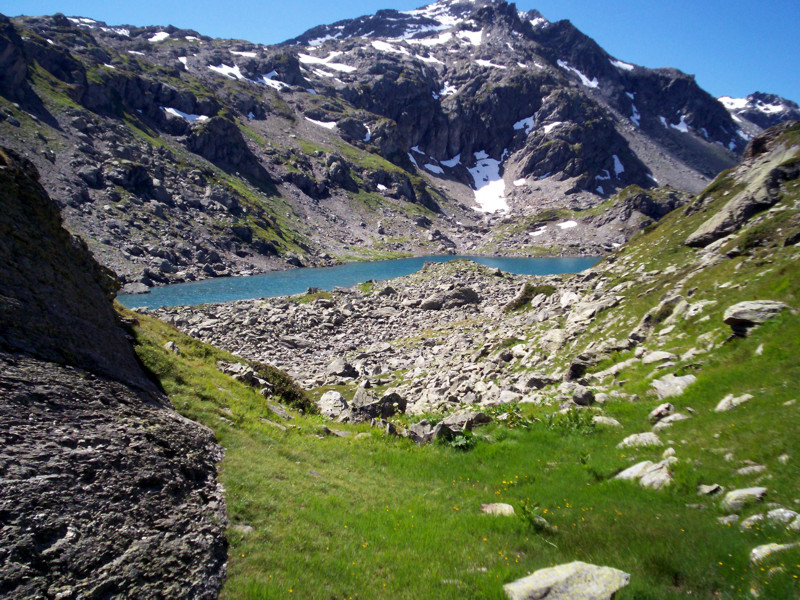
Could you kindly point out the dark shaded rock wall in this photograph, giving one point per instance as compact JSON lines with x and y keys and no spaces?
{"x":105,"y":491}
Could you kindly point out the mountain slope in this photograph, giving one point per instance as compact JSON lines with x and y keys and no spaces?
{"x":177,"y":156}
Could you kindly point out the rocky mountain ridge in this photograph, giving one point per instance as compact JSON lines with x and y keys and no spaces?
{"x":178,"y":156}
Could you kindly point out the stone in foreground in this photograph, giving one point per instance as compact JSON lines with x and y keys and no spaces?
{"x":761,"y":553}
{"x":671,"y":385}
{"x":736,"y":500}
{"x":498,"y":509}
{"x":639,"y":440}
{"x":572,"y":581}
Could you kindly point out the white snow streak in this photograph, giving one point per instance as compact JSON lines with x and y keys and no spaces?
{"x":584,"y":79}
{"x":307,"y":59}
{"x":622,"y":65}
{"x":325,"y":124}
{"x":486,"y":63}
{"x":185,"y":116}
{"x":434,"y":169}
{"x":567,"y":225}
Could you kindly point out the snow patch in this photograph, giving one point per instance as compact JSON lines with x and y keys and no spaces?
{"x":434,"y":169}
{"x":456,"y":160}
{"x":619,"y":168}
{"x":663,"y":122}
{"x":185,"y":116}
{"x":192,"y":38}
{"x":681,"y":126}
{"x":382,"y":188}
{"x":591,"y":83}
{"x":158,"y":37}
{"x":567,"y":225}
{"x":447,"y":90}
{"x":386,"y":47}
{"x":733,"y":103}
{"x":136,"y":53}
{"x":525,"y":125}
{"x":247,"y":54}
{"x":441,"y":39}
{"x":538,"y":22}
{"x":269,"y":80}
{"x":538,"y":232}
{"x":322,"y":40}
{"x":473,"y":37}
{"x":520,"y":182}
{"x":183,"y":60}
{"x":622,"y":65}
{"x":428,"y":59}
{"x":636,"y":116}
{"x":599,"y":190}
{"x":325,"y":124}
{"x":551,"y":126}
{"x":232,"y":72}
{"x":489,"y":186}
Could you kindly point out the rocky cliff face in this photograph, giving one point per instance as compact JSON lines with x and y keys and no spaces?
{"x":177,"y":156}
{"x":107,"y":491}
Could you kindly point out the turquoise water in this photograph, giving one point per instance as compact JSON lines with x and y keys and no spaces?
{"x":296,"y":281}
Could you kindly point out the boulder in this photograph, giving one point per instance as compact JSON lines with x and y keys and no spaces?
{"x":661,"y":412}
{"x":669,"y":421}
{"x":498,"y":509}
{"x":341,"y":368}
{"x":367,"y":406}
{"x":466,"y":419}
{"x":638,"y":440}
{"x":568,"y":582}
{"x":605,"y":421}
{"x":761,"y":553}
{"x":672,"y":385}
{"x":459,"y":296}
{"x":744,"y":315}
{"x":649,"y":474}
{"x":730,"y":402}
{"x":583,"y":396}
{"x":331,"y":404}
{"x":736,"y":500}
{"x":657,"y":357}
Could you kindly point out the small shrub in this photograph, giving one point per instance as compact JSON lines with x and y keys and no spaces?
{"x":463,"y":440}
{"x":530,"y":514}
{"x":285,"y":387}
{"x":573,"y":421}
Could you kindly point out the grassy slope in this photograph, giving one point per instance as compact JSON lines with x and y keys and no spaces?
{"x":375,"y":517}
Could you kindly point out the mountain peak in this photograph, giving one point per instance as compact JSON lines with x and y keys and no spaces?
{"x":418,"y":23}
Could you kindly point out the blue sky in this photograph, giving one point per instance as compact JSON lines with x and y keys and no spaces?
{"x":733,"y":47}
